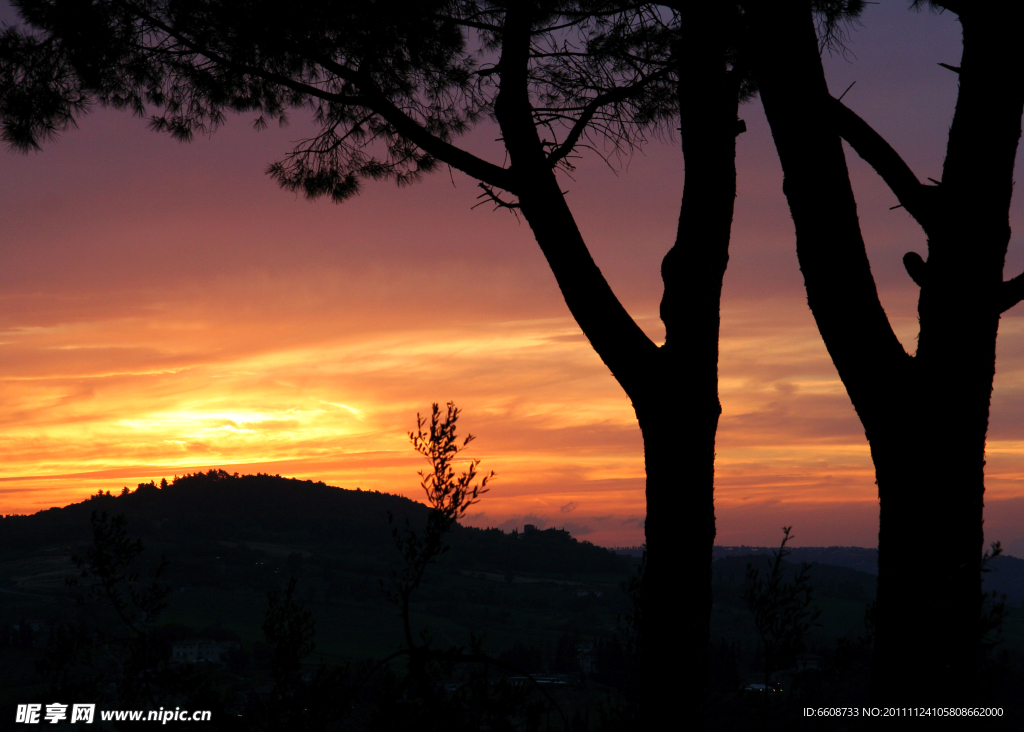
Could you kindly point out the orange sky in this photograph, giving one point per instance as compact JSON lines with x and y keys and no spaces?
{"x":165,"y":308}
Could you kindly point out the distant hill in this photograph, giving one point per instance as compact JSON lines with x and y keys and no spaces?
{"x":1006,"y":575}
{"x":230,"y":540}
{"x":851,"y":557}
{"x":828,"y":580}
{"x":269,"y":509}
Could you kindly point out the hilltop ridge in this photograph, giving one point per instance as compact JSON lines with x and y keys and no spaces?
{"x":270,"y":509}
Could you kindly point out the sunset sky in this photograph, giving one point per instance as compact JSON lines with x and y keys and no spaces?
{"x":166,"y":308}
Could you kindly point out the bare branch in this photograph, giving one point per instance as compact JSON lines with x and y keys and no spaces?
{"x":613,"y":97}
{"x":880,"y":155}
{"x":1011,"y":292}
{"x":489,"y":195}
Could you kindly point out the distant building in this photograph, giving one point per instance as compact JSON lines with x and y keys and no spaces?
{"x":806,"y":661}
{"x":34,"y":633}
{"x":540,"y":679}
{"x":529,"y":528}
{"x":585,"y":657}
{"x":202,"y":651}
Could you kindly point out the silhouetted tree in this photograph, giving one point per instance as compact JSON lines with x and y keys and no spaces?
{"x":626,"y":676}
{"x":302,"y":698}
{"x":421,"y":700}
{"x":449,"y":495}
{"x":993,"y":608}
{"x":781,"y":609}
{"x":925,"y":415}
{"x":111,"y":651}
{"x":390,"y":91}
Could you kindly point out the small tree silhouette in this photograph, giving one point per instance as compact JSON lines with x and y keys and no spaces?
{"x":112,"y":651}
{"x":111,"y":562}
{"x":449,"y":496}
{"x":782,"y":610}
{"x":993,"y":608}
{"x":300,"y":701}
{"x":420,"y":700}
{"x":307,"y":700}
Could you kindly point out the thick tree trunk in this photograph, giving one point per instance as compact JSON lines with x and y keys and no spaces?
{"x":679,"y":453}
{"x":925,"y":417}
{"x":674,"y":388}
{"x":678,"y":413}
{"x":931,"y":473}
{"x":929,"y":585}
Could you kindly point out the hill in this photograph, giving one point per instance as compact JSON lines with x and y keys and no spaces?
{"x":1005,"y":575}
{"x":852,"y":557}
{"x":233,"y":542}
{"x":307,"y":516}
{"x":230,"y":539}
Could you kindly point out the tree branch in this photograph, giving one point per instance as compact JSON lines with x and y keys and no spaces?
{"x":372,"y":99}
{"x":880,"y":155}
{"x":618,"y":340}
{"x":618,"y":94}
{"x":1011,"y":292}
{"x":465,"y":22}
{"x":841,"y":290}
{"x":489,"y":173}
{"x":193,"y":47}
{"x":490,"y":195}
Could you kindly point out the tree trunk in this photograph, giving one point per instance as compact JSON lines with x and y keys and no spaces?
{"x":927,"y":643}
{"x":674,"y":388}
{"x":678,"y":413}
{"x":925,"y":417}
{"x":675,"y":599}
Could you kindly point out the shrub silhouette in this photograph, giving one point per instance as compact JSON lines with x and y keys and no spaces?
{"x":781,"y":609}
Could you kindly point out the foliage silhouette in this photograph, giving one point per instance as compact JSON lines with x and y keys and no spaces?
{"x":448,"y":495}
{"x":111,"y":562}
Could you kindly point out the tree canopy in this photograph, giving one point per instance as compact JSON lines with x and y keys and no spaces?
{"x":389,"y":91}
